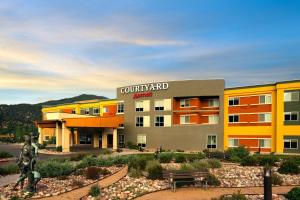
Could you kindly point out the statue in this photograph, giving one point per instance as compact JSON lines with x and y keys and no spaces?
{"x":26,"y":163}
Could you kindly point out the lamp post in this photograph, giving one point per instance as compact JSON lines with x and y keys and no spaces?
{"x":267,"y":184}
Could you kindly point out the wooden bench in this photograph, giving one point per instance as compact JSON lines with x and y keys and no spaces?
{"x":194,"y":177}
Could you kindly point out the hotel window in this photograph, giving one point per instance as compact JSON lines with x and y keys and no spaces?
{"x":291,"y":116}
{"x":185,"y":119}
{"x":159,"y":121}
{"x":73,"y":111}
{"x":234,"y":118}
{"x":213,"y":119}
{"x":121,"y":141}
{"x":265,"y":143}
{"x":291,"y":96}
{"x":120,"y":107}
{"x":47,"y":138}
{"x":139,"y":106}
{"x":213,"y":103}
{"x":233,"y":142}
{"x":291,"y":144}
{"x":82,"y":111}
{"x":233,"y":101}
{"x":139,"y":121}
{"x":105,"y":109}
{"x":87,"y":111}
{"x":185,"y":103}
{"x":264,"y":117}
{"x":95,"y":111}
{"x":212,"y":142}
{"x":265,"y":99}
{"x":141,"y":140}
{"x":159,"y":104}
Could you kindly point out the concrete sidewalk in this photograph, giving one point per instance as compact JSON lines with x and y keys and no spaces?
{"x":208,"y":194}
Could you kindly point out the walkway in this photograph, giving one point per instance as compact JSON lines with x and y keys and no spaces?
{"x":78,"y":193}
{"x":5,"y":180}
{"x":207,"y":194}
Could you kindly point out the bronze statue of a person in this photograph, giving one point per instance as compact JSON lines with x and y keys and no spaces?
{"x":26,"y":163}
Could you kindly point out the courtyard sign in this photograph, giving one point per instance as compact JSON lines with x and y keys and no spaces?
{"x":144,"y":88}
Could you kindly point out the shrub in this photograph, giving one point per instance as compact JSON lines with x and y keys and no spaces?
{"x":95,"y":191}
{"x":179,"y":150}
{"x":104,"y":171}
{"x":165,"y":157}
{"x":154,"y":169}
{"x":15,"y":198}
{"x":192,"y":157}
{"x":78,"y":183}
{"x":276,"y":179}
{"x":179,"y":158}
{"x":105,"y":151}
{"x":186,"y":167}
{"x":9,"y":169}
{"x":59,"y":149}
{"x":240,"y":152}
{"x":92,"y":173}
{"x":135,"y":173}
{"x":234,"y":196}
{"x":289,"y":167}
{"x":87,"y":161}
{"x":212,"y":180}
{"x":235,"y":159}
{"x":249,"y":161}
{"x":200,"y":165}
{"x":293,"y":194}
{"x":269,"y":160}
{"x":131,"y":145}
{"x":137,"y":162}
{"x":4,"y":154}
{"x":119,"y":150}
{"x":214,"y":154}
{"x":214,"y":163}
{"x":77,"y":157}
{"x":54,"y":168}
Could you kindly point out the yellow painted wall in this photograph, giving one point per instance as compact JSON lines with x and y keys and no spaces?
{"x":249,"y":130}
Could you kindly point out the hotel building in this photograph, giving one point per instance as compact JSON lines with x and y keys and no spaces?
{"x":188,"y":115}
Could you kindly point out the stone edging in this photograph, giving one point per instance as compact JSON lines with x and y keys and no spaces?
{"x":83,"y":186}
{"x":7,"y":159}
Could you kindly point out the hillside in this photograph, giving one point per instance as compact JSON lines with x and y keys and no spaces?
{"x":20,"y":117}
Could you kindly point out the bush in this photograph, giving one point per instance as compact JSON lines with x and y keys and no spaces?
{"x":78,"y":183}
{"x":234,"y":196}
{"x":249,"y":161}
{"x":119,"y":150}
{"x":201,"y":165}
{"x":187,"y":167}
{"x":214,"y":163}
{"x":289,"y":167}
{"x":214,"y":154}
{"x":135,"y":173}
{"x":240,"y":152}
{"x":276,"y":179}
{"x":137,"y":162}
{"x":179,"y":158}
{"x":193,"y":156}
{"x":165,"y":157}
{"x":9,"y":169}
{"x":4,"y":154}
{"x":130,"y":145}
{"x":269,"y":160}
{"x":154,"y":169}
{"x":105,"y":151}
{"x":92,"y":173}
{"x":15,"y":198}
{"x":77,"y":157}
{"x":59,"y":149}
{"x":95,"y":191}
{"x":212,"y":180}
{"x":54,"y":168}
{"x":293,"y":194}
{"x":87,"y":161}
{"x":235,"y":159}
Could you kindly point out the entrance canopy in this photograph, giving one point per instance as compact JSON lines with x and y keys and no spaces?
{"x":94,"y":122}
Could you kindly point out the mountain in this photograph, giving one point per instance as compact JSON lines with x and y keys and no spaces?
{"x":19,"y":118}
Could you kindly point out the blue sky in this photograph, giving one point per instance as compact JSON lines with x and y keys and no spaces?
{"x":62,"y":48}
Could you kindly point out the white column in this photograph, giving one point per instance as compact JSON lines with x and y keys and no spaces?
{"x":115,"y":138}
{"x":65,"y":138}
{"x":40,"y":135}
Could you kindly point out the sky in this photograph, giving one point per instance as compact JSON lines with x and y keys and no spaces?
{"x":52,"y":49}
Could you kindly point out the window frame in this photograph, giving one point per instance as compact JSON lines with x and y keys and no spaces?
{"x":265,"y":99}
{"x":213,"y":104}
{"x":137,"y":106}
{"x":185,"y":105}
{"x":234,"y":99}
{"x":211,"y":135}
{"x":138,"y":123}
{"x":290,"y":142}
{"x":233,"y":115}
{"x":185,"y":118}
{"x":238,"y":141}
{"x":290,"y":113}
{"x":94,"y":108}
{"x":217,"y":116}
{"x":143,"y":145}
{"x":291,"y":95}
{"x":161,"y":105}
{"x":120,"y":108}
{"x":259,"y":120}
{"x":159,"y":123}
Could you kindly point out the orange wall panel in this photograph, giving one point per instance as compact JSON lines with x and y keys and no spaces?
{"x":249,"y":100}
{"x":249,"y":142}
{"x":250,"y":109}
